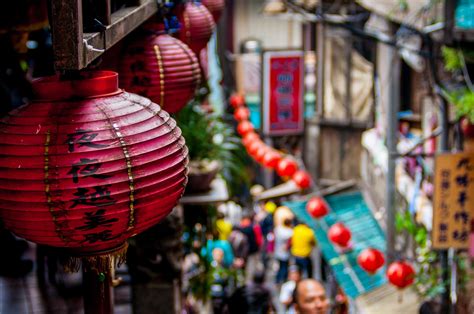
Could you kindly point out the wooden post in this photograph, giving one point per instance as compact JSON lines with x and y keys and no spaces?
{"x":98,"y":293}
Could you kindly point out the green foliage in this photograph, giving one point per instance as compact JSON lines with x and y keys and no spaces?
{"x":453,"y":58}
{"x":428,"y":279}
{"x":210,"y":138}
{"x":463,"y":100}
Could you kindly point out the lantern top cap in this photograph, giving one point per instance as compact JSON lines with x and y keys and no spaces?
{"x":81,"y":85}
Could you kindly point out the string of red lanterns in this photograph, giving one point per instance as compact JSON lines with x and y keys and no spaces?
{"x":400,"y":274}
{"x":284,"y":165}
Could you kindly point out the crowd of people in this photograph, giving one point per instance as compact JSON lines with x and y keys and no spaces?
{"x":260,"y":263}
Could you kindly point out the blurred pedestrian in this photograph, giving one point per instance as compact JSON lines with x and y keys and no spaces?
{"x":254,"y":238}
{"x":302,"y":243}
{"x":266,"y":225}
{"x":253,"y":298}
{"x":310,"y":297}
{"x":214,"y":242}
{"x":224,"y":228}
{"x":283,"y":236}
{"x":288,"y":289}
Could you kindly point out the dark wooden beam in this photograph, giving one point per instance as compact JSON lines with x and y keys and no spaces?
{"x":75,"y":50}
{"x":66,"y":27}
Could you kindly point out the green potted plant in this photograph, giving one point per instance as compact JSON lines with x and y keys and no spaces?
{"x":213,"y":148}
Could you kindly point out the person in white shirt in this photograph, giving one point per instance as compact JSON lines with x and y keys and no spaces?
{"x":287,"y":289}
{"x":283,"y":235}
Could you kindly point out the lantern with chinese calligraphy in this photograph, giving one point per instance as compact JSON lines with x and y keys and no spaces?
{"x":237,"y":100}
{"x":249,"y":138}
{"x":86,"y":166}
{"x":197,"y":26}
{"x":161,"y":68}
{"x":215,"y":7}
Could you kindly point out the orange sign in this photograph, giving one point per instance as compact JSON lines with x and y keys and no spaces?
{"x":453,"y":207}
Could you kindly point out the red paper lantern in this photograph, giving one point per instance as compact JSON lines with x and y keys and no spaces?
{"x":467,"y":128}
{"x":86,"y":165}
{"x":286,"y":167}
{"x":161,"y":68}
{"x":370,"y":260}
{"x":244,"y":127}
{"x":339,"y":234}
{"x":401,"y":274}
{"x":237,"y":100}
{"x":249,"y":138}
{"x":316,"y":207}
{"x":215,"y":7}
{"x":271,"y":159}
{"x":254,"y":147}
{"x":302,"y":179}
{"x":197,"y":26}
{"x":241,"y":114}
{"x":260,"y":153}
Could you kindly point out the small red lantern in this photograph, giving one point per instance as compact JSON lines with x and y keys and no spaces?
{"x":371,"y":260}
{"x":339,"y":234}
{"x":86,"y":166}
{"x":286,"y":167}
{"x":467,"y":128}
{"x":249,"y":138}
{"x":316,"y":207}
{"x":161,"y":68}
{"x":302,"y":179}
{"x":254,"y":147}
{"x":401,"y":274}
{"x":244,"y":127}
{"x":241,"y":114}
{"x":215,"y":7}
{"x":271,"y":159}
{"x":197,"y":26}
{"x":260,"y":153}
{"x":237,"y":100}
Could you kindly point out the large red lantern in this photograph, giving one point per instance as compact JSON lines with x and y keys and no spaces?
{"x":215,"y":7}
{"x":401,"y":274}
{"x":271,"y":159}
{"x":86,"y":165}
{"x":244,"y":127}
{"x":371,"y":260}
{"x":197,"y":25}
{"x":286,"y":167}
{"x":302,"y":179}
{"x":241,"y":114}
{"x":316,"y":207}
{"x":339,"y":234}
{"x":161,"y":68}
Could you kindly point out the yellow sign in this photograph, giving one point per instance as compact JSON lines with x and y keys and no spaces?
{"x":453,"y":206}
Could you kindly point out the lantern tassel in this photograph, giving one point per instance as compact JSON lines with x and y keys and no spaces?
{"x":100,"y":263}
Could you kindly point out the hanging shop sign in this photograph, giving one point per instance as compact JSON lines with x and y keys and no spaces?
{"x":283,"y":91}
{"x":453,"y":201}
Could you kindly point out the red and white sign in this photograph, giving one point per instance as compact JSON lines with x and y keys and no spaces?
{"x":283,"y":91}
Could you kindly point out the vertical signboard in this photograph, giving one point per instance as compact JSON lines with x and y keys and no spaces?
{"x":453,"y":200}
{"x":283,"y":92}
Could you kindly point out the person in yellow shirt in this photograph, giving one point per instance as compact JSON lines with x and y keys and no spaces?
{"x":224,"y":228}
{"x":302,"y":243}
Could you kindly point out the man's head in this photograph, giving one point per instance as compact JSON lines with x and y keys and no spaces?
{"x":218,"y":255}
{"x":294,"y":273}
{"x":310,"y":297}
